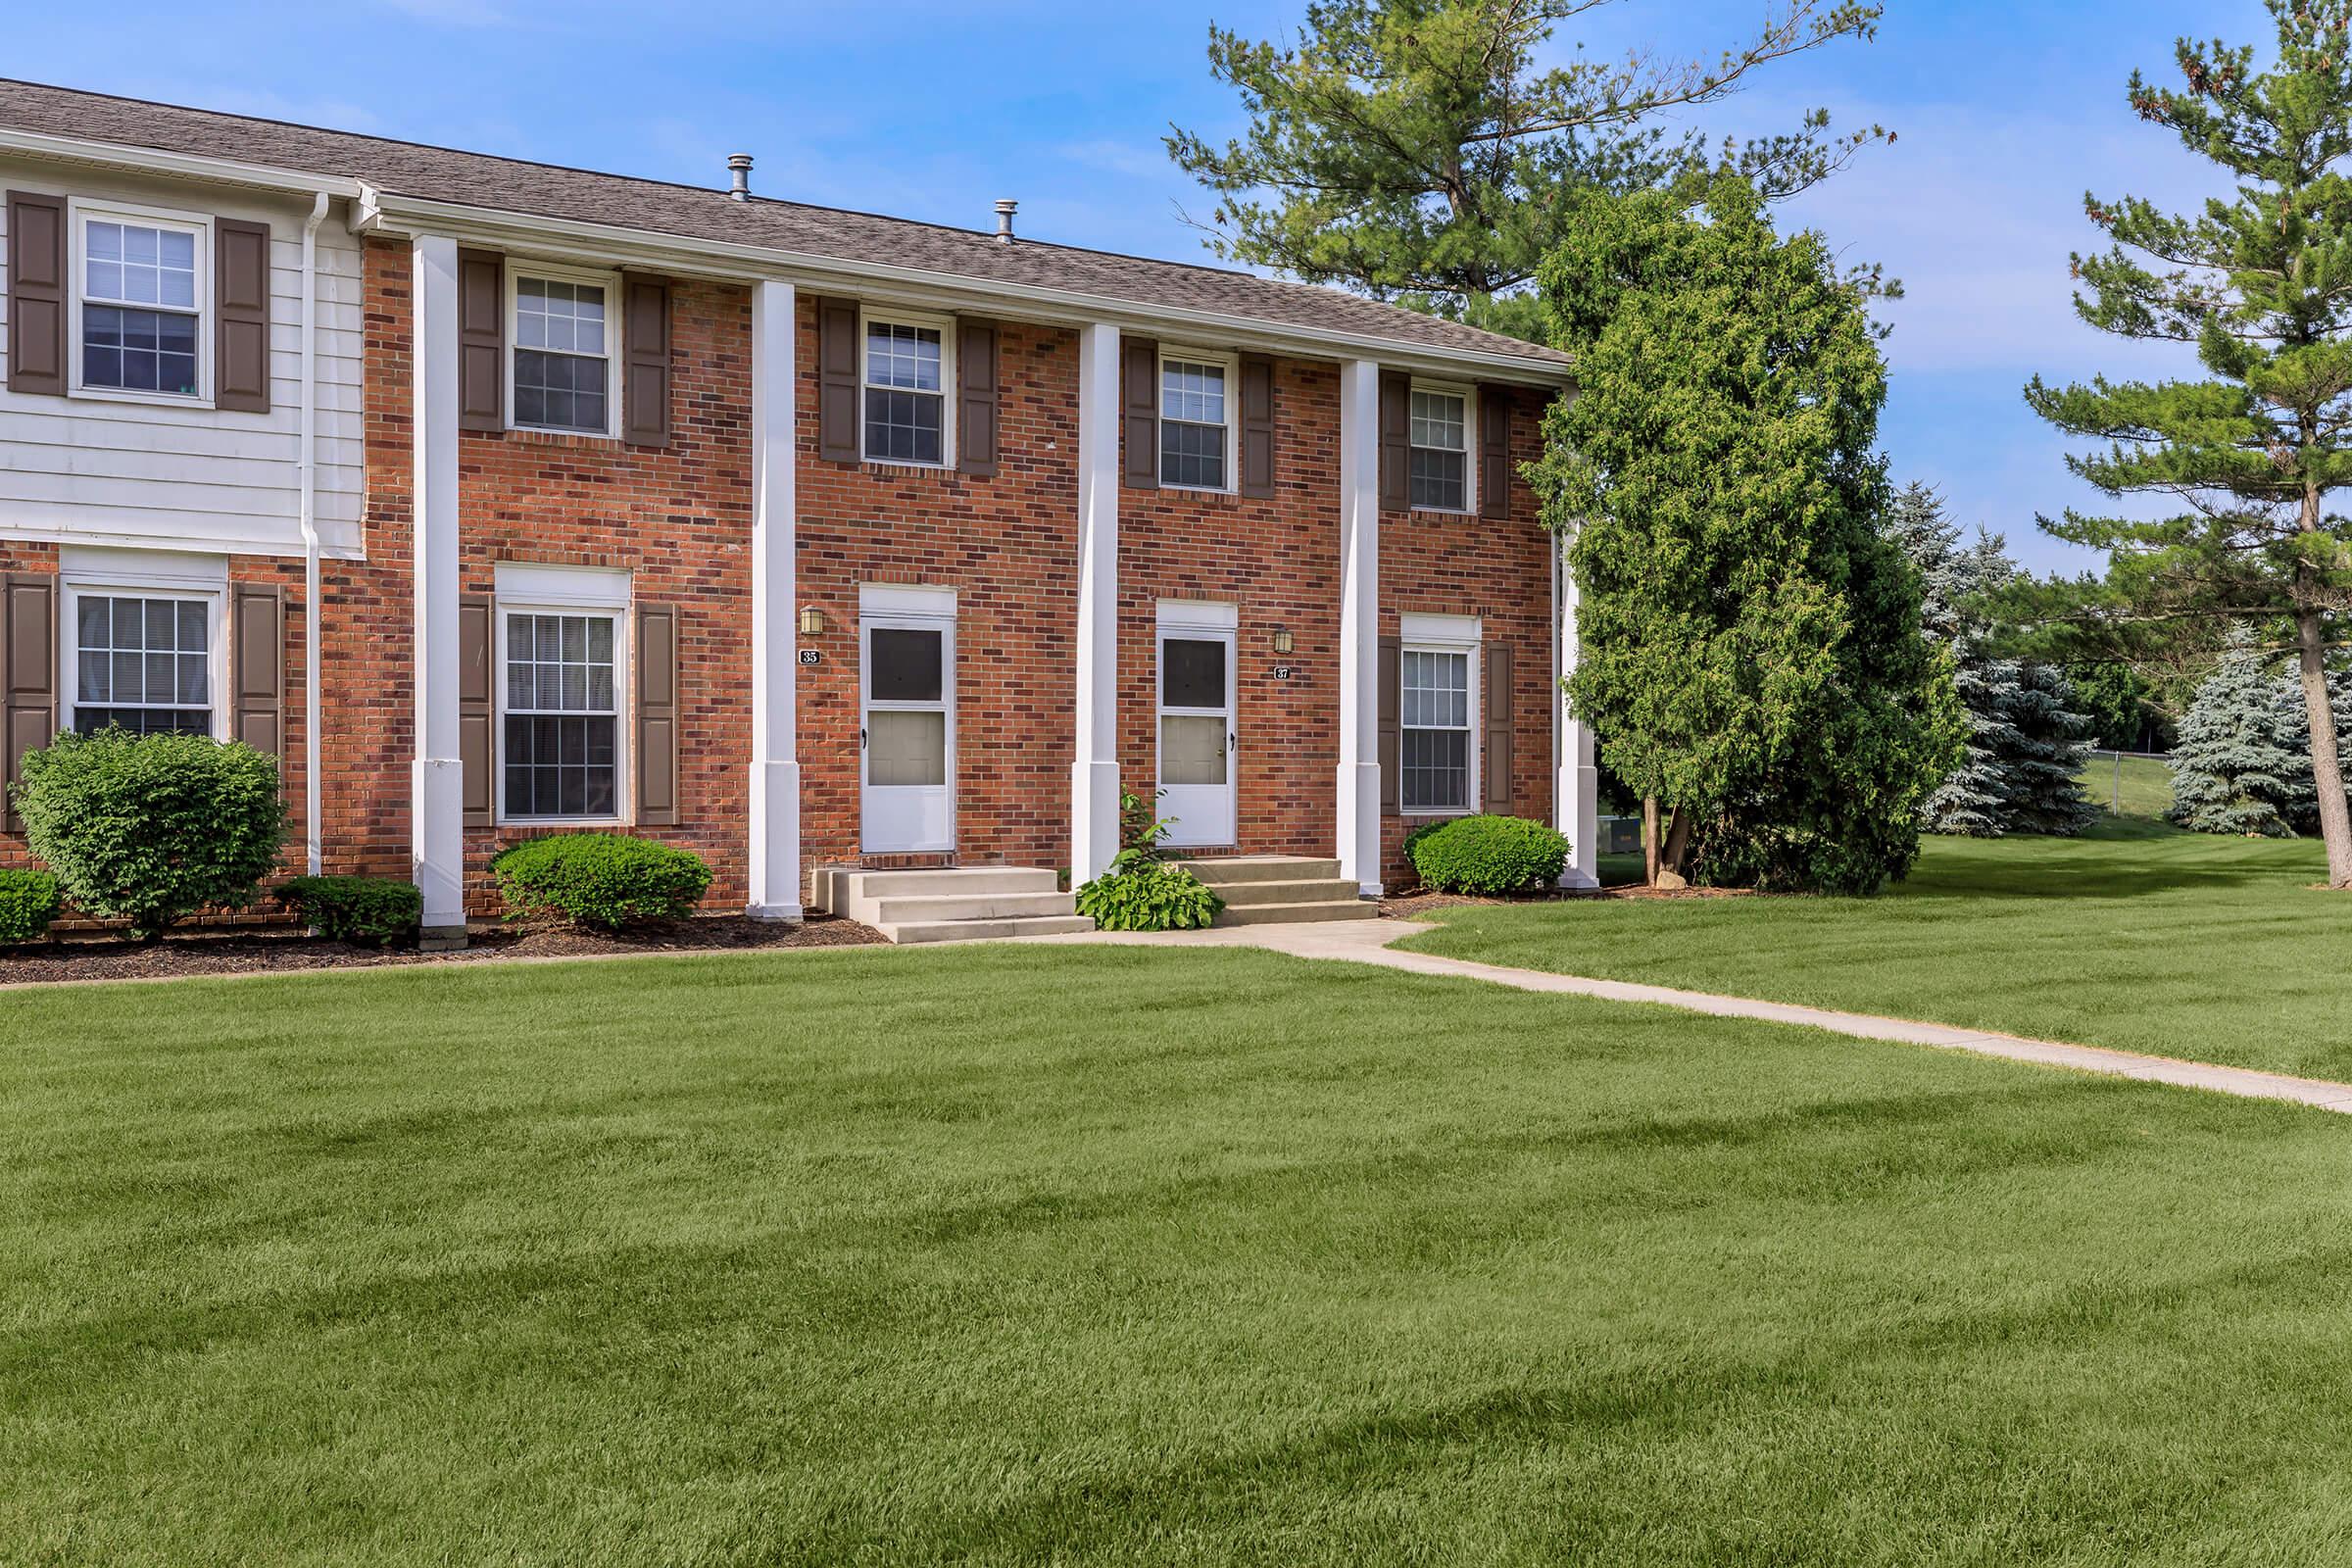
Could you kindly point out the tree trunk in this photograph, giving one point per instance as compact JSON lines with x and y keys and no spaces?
{"x":1677,"y":841}
{"x":1649,"y":840}
{"x":2327,"y":761}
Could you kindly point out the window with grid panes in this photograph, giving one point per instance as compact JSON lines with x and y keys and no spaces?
{"x":142,"y":663}
{"x":905,"y":393}
{"x":1434,"y":729}
{"x":1440,"y":470}
{"x":1191,"y":424}
{"x":562,"y":753}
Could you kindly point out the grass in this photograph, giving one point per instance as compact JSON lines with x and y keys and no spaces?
{"x":1018,"y":1255}
{"x":2136,"y":935}
{"x":2140,"y":786}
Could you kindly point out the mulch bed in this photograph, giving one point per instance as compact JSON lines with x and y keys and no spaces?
{"x":247,"y":952}
{"x":1413,"y":904}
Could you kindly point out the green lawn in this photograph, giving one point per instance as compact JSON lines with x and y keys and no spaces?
{"x":2139,"y":786}
{"x":1124,"y":1256}
{"x":2135,"y":935}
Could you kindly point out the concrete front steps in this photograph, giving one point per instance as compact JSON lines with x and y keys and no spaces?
{"x":951,"y":905}
{"x":1281,"y":890}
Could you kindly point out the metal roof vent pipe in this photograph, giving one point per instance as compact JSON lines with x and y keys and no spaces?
{"x":1005,"y":207}
{"x":740,"y":166}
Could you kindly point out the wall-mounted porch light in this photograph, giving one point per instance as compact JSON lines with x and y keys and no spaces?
{"x":813,"y":622}
{"x":1282,"y":639}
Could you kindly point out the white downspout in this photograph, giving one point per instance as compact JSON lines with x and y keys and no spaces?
{"x":314,"y":836}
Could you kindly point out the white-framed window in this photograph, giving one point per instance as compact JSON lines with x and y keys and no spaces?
{"x":563,"y":367}
{"x":561,"y":697}
{"x":1440,"y":476}
{"x":1436,"y":708}
{"x":142,"y":290}
{"x":145,"y":658}
{"x":1195,"y":420}
{"x":906,"y":365}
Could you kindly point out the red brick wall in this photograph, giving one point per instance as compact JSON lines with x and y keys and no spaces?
{"x":679,"y":520}
{"x":1438,"y":563}
{"x":1277,"y":561}
{"x":1008,"y":545}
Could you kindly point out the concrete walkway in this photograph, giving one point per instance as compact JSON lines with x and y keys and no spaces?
{"x":1367,"y":942}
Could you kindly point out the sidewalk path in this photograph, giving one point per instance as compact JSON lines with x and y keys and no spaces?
{"x":1367,"y":942}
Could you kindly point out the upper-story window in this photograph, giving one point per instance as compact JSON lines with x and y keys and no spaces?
{"x":562,"y":361}
{"x":139,"y":291}
{"x":1441,"y":449}
{"x":1195,"y":424}
{"x":905,"y":380}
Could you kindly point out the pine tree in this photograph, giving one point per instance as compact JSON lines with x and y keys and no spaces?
{"x":2043,"y":764}
{"x":2243,"y":763}
{"x":1422,"y":149}
{"x":2026,"y":739}
{"x":2260,"y":280}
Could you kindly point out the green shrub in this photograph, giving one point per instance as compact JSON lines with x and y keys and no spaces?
{"x":363,"y":910}
{"x":1149,"y":896}
{"x":601,"y":879}
{"x":1488,"y":854}
{"x":149,"y":828}
{"x":29,"y":902}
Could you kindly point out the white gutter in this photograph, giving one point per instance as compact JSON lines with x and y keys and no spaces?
{"x":153,"y":160}
{"x":313,"y":835}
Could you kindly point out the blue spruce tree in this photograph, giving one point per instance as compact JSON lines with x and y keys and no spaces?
{"x":2026,"y":738}
{"x":2243,"y":761}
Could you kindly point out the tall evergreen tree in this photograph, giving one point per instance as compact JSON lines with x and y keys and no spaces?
{"x":2026,"y":738}
{"x":2045,"y":765}
{"x":1416,"y":149}
{"x":2243,"y":763}
{"x":2261,"y":282}
{"x":1752,"y":652}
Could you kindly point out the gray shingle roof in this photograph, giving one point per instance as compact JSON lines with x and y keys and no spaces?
{"x":477,"y":180}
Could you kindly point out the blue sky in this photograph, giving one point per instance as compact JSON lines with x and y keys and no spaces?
{"x":2004,"y":114}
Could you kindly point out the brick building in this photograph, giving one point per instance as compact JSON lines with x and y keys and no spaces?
{"x":499,"y":499}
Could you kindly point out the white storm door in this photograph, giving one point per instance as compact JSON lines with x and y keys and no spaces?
{"x":906,"y":734}
{"x":1197,"y":736}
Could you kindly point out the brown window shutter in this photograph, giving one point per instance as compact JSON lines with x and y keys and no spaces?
{"x":27,"y":674}
{"x":36,"y":294}
{"x":256,"y":676}
{"x":1139,"y":414}
{"x":481,"y":340}
{"x":1258,"y":426}
{"x":1497,"y":676}
{"x":656,"y":716}
{"x":477,"y":722}
{"x":837,"y":380}
{"x":1391,"y":740}
{"x":1395,"y":440}
{"x":645,"y":362}
{"x":241,"y":334}
{"x":976,"y":398}
{"x":1495,"y":453}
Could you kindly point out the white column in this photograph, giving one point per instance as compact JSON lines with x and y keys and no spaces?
{"x":1095,"y":771}
{"x":1360,"y":626}
{"x":774,"y":871}
{"x":1576,"y":788}
{"x":436,"y":783}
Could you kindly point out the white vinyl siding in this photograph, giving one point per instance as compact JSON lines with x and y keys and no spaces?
{"x":169,"y":473}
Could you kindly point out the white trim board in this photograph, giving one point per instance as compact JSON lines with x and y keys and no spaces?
{"x":564,"y":586}
{"x":1199,"y":615}
{"x":905,"y":599}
